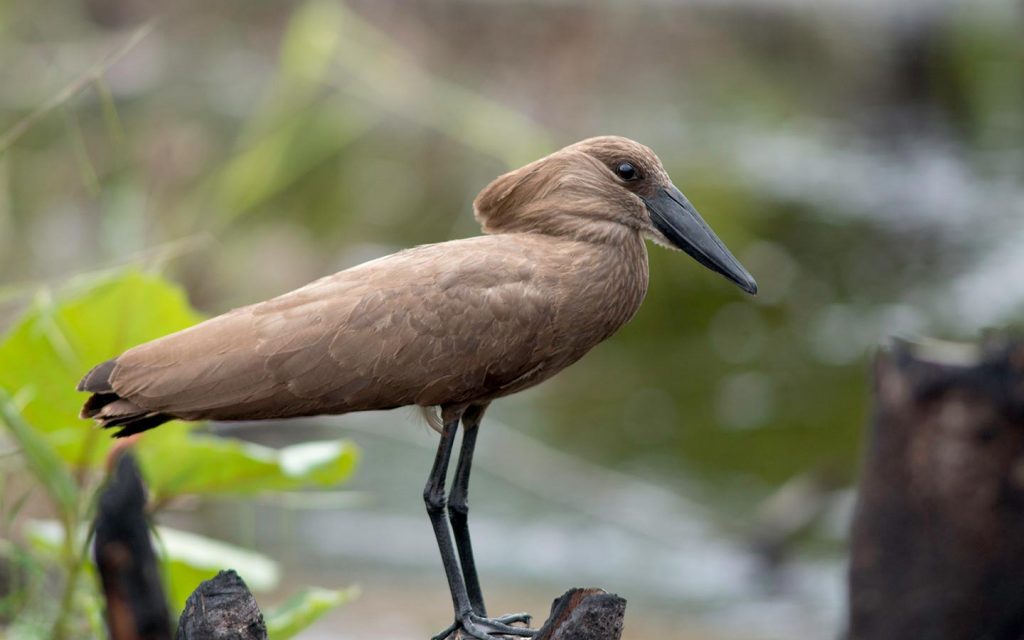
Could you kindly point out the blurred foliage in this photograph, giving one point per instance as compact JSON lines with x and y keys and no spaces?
{"x":303,"y":609}
{"x":44,"y":354}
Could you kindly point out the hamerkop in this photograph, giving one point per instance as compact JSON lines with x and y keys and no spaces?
{"x":451,"y":325}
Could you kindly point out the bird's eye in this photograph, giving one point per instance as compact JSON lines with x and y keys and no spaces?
{"x":627,"y":171}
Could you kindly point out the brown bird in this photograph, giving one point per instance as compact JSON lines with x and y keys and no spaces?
{"x":451,"y":325}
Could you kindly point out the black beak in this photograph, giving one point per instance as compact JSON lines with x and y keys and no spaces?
{"x":674,"y":216}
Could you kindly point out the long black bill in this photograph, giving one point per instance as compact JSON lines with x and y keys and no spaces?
{"x":674,"y":216}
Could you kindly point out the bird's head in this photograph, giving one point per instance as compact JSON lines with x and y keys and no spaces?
{"x":601,"y":189}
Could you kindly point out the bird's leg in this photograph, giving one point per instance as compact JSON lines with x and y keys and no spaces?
{"x":458,"y":515}
{"x":433,"y":496}
{"x":458,"y":509}
{"x":470,"y":623}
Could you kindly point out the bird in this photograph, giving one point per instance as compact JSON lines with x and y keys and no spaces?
{"x":449,"y":327}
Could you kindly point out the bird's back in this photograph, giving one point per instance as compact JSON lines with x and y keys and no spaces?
{"x":449,"y":323}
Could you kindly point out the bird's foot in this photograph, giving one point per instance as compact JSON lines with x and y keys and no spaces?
{"x":512,"y":618}
{"x":481,"y":628}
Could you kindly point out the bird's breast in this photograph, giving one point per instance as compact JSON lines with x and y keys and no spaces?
{"x":595,"y":290}
{"x":603,"y":290}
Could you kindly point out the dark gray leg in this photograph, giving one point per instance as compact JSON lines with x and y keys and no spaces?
{"x":471,"y":623}
{"x":458,"y":508}
{"x":433,"y":496}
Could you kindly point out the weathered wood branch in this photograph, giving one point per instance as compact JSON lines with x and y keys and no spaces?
{"x":937,"y":549}
{"x":136,"y":606}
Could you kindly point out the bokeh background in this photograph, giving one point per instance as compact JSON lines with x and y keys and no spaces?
{"x":862,"y":158}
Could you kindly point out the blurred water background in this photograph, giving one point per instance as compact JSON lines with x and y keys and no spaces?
{"x":863,"y":159}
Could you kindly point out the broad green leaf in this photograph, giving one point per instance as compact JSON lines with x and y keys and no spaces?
{"x":41,"y":457}
{"x":214,"y":465}
{"x":303,"y":609}
{"x":58,"y":340}
{"x":186,"y":558}
{"x":323,"y":463}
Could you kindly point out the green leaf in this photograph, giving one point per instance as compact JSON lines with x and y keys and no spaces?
{"x":303,"y":609}
{"x":41,"y":457}
{"x":58,"y":340}
{"x":214,"y":465}
{"x":186,"y":558}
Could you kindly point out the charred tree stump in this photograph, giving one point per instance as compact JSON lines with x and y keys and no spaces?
{"x":136,"y":606}
{"x":937,"y":548}
{"x":222,"y":608}
{"x":584,"y":614}
{"x":219,"y":609}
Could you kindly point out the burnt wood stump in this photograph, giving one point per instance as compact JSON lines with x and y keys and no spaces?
{"x":937,"y":546}
{"x":584,"y":614}
{"x":136,"y":606}
{"x":222,"y":608}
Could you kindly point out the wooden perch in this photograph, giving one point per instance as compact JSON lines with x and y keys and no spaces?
{"x":222,"y":608}
{"x":136,"y":606}
{"x":937,"y":549}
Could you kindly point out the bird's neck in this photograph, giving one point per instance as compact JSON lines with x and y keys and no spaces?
{"x":610,"y":282}
{"x":598,"y":224}
{"x":635,"y":274}
{"x":607,"y":232}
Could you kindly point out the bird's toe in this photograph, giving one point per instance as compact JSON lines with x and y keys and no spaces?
{"x":481,"y":628}
{"x":503,"y":626}
{"x":513,"y":618}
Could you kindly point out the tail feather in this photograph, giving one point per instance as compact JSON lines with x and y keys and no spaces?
{"x":120,"y":412}
{"x":96,"y":403}
{"x":110,"y":409}
{"x":139,"y":424}
{"x":98,"y":378}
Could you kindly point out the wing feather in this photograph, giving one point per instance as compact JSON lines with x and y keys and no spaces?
{"x":436,"y":324}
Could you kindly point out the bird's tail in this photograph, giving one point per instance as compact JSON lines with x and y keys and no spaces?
{"x":111,"y":410}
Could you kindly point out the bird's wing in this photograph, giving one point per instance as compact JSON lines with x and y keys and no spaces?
{"x":442,"y":323}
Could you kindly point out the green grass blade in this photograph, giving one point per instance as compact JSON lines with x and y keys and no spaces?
{"x":44,"y":462}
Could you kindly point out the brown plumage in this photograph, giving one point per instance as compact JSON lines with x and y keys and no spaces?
{"x":455,"y":325}
{"x":452,"y":323}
